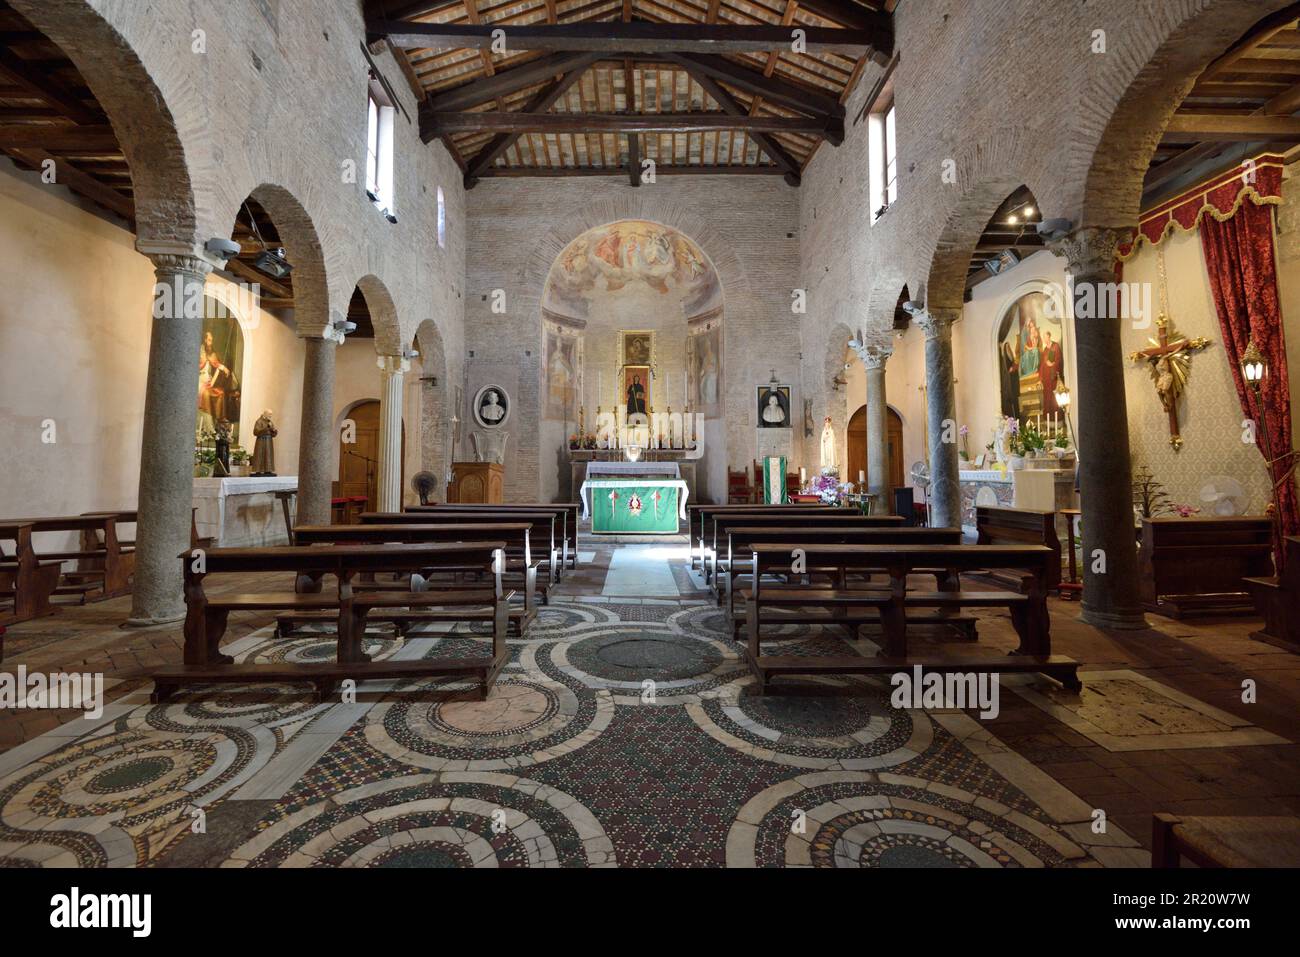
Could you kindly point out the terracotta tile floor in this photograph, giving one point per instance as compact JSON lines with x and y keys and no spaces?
{"x":1161,"y":726}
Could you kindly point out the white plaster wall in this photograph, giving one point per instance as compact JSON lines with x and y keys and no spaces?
{"x":74,"y":326}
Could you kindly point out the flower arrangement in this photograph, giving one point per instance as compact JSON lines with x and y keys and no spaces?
{"x":827,"y":486}
{"x":205,"y":452}
{"x":964,"y":432}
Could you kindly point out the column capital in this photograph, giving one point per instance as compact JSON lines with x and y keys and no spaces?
{"x":936,"y":321}
{"x":874,"y":355}
{"x":1089,"y":252}
{"x":174,"y":264}
{"x":393,"y":365}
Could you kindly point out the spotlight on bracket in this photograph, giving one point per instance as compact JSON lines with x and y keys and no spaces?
{"x":344,"y":326}
{"x":410,"y":354}
{"x":273,"y":263}
{"x":222,"y":248}
{"x":1054,"y":229}
{"x":913,"y":308}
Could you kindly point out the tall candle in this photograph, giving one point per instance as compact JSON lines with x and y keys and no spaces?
{"x":803,"y":475}
{"x":862,"y":476}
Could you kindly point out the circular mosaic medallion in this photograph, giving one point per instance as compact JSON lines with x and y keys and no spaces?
{"x":847,"y":819}
{"x":456,"y":819}
{"x":526,"y":719}
{"x":644,"y":662}
{"x":814,"y":723}
{"x":117,"y":798}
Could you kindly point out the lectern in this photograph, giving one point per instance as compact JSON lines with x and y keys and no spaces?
{"x":474,"y":483}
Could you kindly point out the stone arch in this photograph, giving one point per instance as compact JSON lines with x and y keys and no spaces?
{"x":987,"y":172}
{"x":383,"y":315}
{"x":302,"y":243}
{"x":142,"y":119}
{"x":437,"y":403}
{"x":1127,"y":107}
{"x":832,"y":401}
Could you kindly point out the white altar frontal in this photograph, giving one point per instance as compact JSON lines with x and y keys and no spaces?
{"x":245,"y":512}
{"x":604,"y":475}
{"x":1039,"y":489}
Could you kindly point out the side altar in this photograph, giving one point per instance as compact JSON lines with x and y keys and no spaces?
{"x":633,"y":498}
{"x":250,"y":512}
{"x":1041,"y":489}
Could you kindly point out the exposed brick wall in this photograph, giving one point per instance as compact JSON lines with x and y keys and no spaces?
{"x":747,"y":226}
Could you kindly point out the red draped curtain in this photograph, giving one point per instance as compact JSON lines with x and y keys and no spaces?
{"x":1243,"y":279}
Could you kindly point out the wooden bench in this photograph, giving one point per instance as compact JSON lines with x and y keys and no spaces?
{"x":704,"y":513}
{"x":26,"y":582}
{"x":1224,"y":841}
{"x":741,"y":539}
{"x":996,"y":525}
{"x":541,"y":535}
{"x":1191,"y":566}
{"x":518,"y":554}
{"x":104,"y":565}
{"x":1277,"y":599}
{"x":1028,"y":607}
{"x":721,"y":522}
{"x":569,"y":512}
{"x":206,"y":618}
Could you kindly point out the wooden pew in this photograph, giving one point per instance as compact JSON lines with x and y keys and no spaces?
{"x":1191,"y":566}
{"x":542,"y":536}
{"x":518,"y":560}
{"x":1224,"y":841}
{"x":1277,"y":599}
{"x":26,"y":582}
{"x":721,"y":522}
{"x":206,"y":618}
{"x":740,"y":540}
{"x":696,"y":525}
{"x":104,"y":568}
{"x":996,"y":525}
{"x":1028,"y":608}
{"x":704,"y":513}
{"x":570,"y":513}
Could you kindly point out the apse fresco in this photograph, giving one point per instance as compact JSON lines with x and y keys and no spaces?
{"x":631,"y":252}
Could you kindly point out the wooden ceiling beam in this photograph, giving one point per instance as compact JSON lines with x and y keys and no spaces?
{"x":634,"y":158}
{"x":772,"y":89}
{"x":505,"y":82}
{"x":439,"y":124}
{"x":635,"y":37}
{"x":62,"y":137}
{"x":1260,"y":33}
{"x":42,"y":87}
{"x":543,"y":101}
{"x":245,"y":271}
{"x":788,"y":165}
{"x":1220,"y":128}
{"x":66,"y":174}
{"x":661,"y":169}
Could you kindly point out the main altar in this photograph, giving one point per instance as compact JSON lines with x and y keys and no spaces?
{"x":633,"y":498}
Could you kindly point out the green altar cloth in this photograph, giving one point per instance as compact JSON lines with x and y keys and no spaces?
{"x":634,"y":508}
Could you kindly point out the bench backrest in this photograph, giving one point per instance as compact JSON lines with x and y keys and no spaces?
{"x":543,"y":523}
{"x":1204,"y":556}
{"x":743,"y":536}
{"x":341,"y":560}
{"x":567,"y":512}
{"x":900,"y":559}
{"x":515,"y":535}
{"x":1013,"y":526}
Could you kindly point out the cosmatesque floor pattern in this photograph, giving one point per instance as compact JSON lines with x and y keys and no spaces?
{"x":624,"y":732}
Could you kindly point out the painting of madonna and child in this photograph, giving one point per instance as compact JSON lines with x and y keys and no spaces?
{"x":1031,"y":361}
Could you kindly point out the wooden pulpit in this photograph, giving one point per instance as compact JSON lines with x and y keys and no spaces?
{"x":476,"y":483}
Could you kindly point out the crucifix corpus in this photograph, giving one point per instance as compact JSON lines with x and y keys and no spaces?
{"x":1169,"y":357}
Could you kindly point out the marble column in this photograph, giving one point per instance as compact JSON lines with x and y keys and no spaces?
{"x":1110,"y":573}
{"x":317,"y":437}
{"x":944,"y":496}
{"x":392,"y":369}
{"x":166,"y":494}
{"x":873,"y":359}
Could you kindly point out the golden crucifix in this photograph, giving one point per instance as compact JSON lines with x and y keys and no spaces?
{"x":1170,"y":359}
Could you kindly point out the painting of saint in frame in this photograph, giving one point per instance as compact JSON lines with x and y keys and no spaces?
{"x":563,"y":374}
{"x":636,"y":390}
{"x":638,"y":347}
{"x":704,"y":371}
{"x":221,"y":368}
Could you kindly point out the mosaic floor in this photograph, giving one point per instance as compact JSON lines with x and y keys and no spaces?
{"x":624,"y":732}
{"x":621,"y":734}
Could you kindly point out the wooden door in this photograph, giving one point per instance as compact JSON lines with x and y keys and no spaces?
{"x":856,"y":460}
{"x":857,"y":454}
{"x":359,"y":462}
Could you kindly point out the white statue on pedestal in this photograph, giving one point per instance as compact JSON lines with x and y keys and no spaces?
{"x":828,"y":445}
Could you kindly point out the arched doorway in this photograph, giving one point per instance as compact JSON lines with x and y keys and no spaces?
{"x":359,"y":459}
{"x":857,"y":446}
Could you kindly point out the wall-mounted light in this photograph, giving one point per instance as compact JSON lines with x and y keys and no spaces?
{"x":273,"y":263}
{"x":1253,"y":365}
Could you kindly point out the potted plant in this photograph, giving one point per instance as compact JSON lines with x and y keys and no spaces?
{"x":1149,"y":497}
{"x":205,"y":453}
{"x":239,"y":457}
{"x":964,"y":451}
{"x":1015,"y":445}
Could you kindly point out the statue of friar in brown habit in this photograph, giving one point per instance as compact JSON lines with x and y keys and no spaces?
{"x":264,"y":448}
